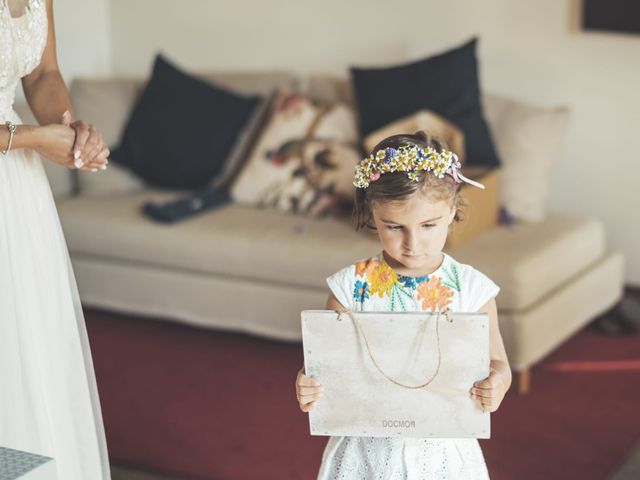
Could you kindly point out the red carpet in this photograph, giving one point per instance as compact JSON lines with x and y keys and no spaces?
{"x":208,"y":405}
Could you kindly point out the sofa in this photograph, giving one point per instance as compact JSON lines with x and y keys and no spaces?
{"x":245,"y":269}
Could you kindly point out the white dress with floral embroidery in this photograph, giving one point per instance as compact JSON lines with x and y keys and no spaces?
{"x":372,"y":285}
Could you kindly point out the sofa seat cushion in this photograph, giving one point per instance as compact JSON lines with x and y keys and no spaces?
{"x":234,"y":240}
{"x":531,"y":260}
{"x":528,"y":261}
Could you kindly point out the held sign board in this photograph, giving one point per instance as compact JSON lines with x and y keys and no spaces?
{"x":392,"y":374}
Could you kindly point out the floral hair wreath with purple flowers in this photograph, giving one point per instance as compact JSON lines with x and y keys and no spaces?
{"x":409,"y":159}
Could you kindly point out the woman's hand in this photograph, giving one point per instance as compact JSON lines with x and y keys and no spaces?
{"x":308,"y":391}
{"x":55,"y":142}
{"x":490,"y":391}
{"x":89,"y":150}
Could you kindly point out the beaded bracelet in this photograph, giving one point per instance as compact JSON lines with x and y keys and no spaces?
{"x":12,"y":129}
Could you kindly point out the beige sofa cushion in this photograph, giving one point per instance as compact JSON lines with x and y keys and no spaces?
{"x":531,"y":334}
{"x":529,"y":140}
{"x":527,"y":261}
{"x":531,"y":260}
{"x":234,"y":240}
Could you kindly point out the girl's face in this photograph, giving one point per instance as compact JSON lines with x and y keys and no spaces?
{"x":413,"y":231}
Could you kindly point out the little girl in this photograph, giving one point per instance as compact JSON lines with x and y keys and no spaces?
{"x":408,"y":192}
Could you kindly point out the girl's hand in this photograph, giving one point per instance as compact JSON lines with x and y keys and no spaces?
{"x":490,"y":391}
{"x":89,"y":150}
{"x":308,"y":391}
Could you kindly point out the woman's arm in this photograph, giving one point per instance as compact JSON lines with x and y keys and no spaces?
{"x":48,"y":98}
{"x":55,"y":142}
{"x":44,"y":88}
{"x":492,"y":390}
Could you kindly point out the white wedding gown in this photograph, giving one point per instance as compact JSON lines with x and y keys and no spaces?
{"x":48,"y":398}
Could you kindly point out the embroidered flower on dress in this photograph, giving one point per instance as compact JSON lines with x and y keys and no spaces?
{"x":433,"y":295}
{"x":382,"y":279}
{"x":412,"y":282}
{"x":365,"y":267}
{"x":361,"y":291}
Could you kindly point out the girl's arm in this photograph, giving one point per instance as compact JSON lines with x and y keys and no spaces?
{"x":333,"y":303}
{"x":492,"y":390}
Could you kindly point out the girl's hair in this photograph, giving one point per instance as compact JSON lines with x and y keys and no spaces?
{"x":397,"y":186}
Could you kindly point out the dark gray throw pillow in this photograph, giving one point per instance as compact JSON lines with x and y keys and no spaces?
{"x":446,"y":84}
{"x":181,"y":131}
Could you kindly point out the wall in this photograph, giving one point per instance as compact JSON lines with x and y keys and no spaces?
{"x":83,"y":33}
{"x":529,"y":50}
{"x":83,"y":39}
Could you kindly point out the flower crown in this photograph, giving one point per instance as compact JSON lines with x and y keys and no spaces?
{"x":409,"y":159}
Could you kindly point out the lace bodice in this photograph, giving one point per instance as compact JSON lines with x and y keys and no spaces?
{"x":22,"y":41}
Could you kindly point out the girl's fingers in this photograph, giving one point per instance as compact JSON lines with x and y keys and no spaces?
{"x":484,"y":394}
{"x":484,"y":386}
{"x":305,"y":381}
{"x":489,"y":406}
{"x":309,"y":390}
{"x":307,"y":408}
{"x":305,"y":399}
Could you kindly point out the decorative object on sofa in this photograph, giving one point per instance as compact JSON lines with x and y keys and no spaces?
{"x":446,"y":84}
{"x":430,"y":122}
{"x":182,"y":129}
{"x":481,"y":211}
{"x":530,"y":143}
{"x":304,"y":159}
{"x":186,"y":206}
{"x":482,"y":207}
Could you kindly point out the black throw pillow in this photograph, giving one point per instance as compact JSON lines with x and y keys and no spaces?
{"x":446,"y":84}
{"x":182,"y":129}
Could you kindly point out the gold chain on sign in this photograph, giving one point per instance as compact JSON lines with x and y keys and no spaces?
{"x":366,"y":342}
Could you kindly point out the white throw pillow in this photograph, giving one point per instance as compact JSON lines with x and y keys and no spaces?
{"x":304,"y":158}
{"x":529,"y":140}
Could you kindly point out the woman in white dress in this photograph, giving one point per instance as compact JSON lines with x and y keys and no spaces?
{"x":48,"y":398}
